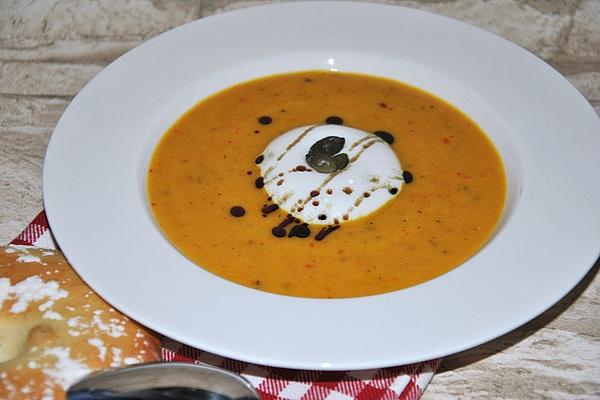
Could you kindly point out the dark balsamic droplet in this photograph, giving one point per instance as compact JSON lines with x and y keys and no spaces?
{"x":259,"y":159}
{"x":259,"y":182}
{"x":269,"y":208}
{"x":301,"y":168}
{"x":237,"y":211}
{"x":385,"y":136}
{"x":325,"y":231}
{"x":288,"y":220}
{"x":278,"y":232}
{"x":393,"y":190}
{"x":314,"y":193}
{"x":334,"y":120}
{"x":408,"y":178}
{"x":301,"y":231}
{"x":265,"y":120}
{"x":322,"y":217}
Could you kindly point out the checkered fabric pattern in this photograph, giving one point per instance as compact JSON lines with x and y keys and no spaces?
{"x":405,"y":382}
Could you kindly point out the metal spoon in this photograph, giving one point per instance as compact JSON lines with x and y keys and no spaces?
{"x":154,"y":381}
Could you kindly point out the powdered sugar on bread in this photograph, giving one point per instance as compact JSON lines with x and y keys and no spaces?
{"x":54,"y":329}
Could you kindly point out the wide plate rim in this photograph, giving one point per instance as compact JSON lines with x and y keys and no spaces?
{"x":52,"y":197}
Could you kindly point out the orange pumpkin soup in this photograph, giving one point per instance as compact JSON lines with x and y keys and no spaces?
{"x":207,"y":189}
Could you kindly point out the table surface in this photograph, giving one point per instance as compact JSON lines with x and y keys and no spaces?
{"x":50,"y":49}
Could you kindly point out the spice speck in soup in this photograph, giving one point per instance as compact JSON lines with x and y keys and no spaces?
{"x":350,"y":174}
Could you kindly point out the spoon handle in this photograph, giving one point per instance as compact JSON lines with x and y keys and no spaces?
{"x":179,"y":393}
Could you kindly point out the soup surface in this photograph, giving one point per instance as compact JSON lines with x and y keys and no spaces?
{"x":204,"y":192}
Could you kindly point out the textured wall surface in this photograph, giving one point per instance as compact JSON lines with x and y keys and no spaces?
{"x":49,"y":49}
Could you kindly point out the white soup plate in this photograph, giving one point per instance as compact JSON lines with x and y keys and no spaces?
{"x":547,"y":134}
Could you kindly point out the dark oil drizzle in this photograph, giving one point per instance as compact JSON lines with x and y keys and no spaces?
{"x":279,"y":230}
{"x":334,"y":120}
{"x":265,"y":120}
{"x":407,"y":176}
{"x":259,"y":159}
{"x":288,"y":220}
{"x":300,"y":230}
{"x":270,"y":208}
{"x":259,"y":182}
{"x":237,"y":211}
{"x":325,"y":231}
{"x":385,"y":136}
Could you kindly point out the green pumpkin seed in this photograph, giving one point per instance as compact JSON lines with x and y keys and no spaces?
{"x":321,"y":155}
{"x":321,"y":162}
{"x":341,"y":160}
{"x":329,"y":145}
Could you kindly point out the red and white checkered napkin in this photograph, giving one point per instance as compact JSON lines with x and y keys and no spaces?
{"x":405,"y":383}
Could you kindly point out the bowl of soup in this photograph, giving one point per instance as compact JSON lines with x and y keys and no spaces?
{"x":434,"y":211}
{"x":364,"y":186}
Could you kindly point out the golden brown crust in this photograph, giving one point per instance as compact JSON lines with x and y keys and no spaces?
{"x":54,"y":329}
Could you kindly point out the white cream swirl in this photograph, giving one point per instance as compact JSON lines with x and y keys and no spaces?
{"x":372,"y":177}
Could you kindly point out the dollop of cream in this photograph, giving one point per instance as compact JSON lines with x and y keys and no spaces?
{"x":372,"y":177}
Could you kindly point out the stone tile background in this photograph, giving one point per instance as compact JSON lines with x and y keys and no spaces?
{"x":49,"y":49}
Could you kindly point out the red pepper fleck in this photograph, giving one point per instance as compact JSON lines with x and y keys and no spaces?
{"x":446,"y":140}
